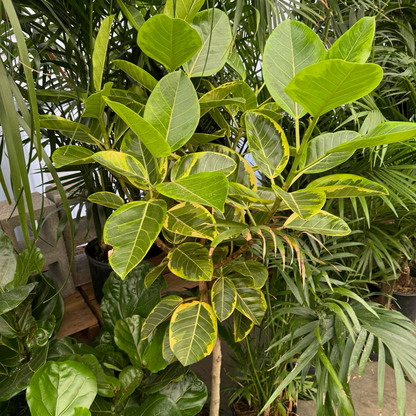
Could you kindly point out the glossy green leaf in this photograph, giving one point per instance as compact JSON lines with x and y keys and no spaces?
{"x":132,"y":13}
{"x":202,"y":162}
{"x":100,"y":51}
{"x":183,"y":9}
{"x":321,"y":223}
{"x":326,"y":85}
{"x":347,"y":186}
{"x":291,"y":47}
{"x":127,"y":338}
{"x":223,"y":298}
{"x":137,"y":73}
{"x":191,"y":220}
{"x":153,"y":358}
{"x":268,"y":144}
{"x":131,"y":230}
{"x":305,"y":203}
{"x":156,"y":382}
{"x":168,"y":41}
{"x":205,"y":188}
{"x":13,"y":298}
{"x":167,"y":352}
{"x":128,"y":297}
{"x":81,"y":411}
{"x":191,"y":262}
{"x":72,"y":155}
{"x":130,"y":378}
{"x":7,"y":261}
{"x":155,"y":273}
{"x":173,"y":109}
{"x":189,"y":394}
{"x":154,"y":405}
{"x":193,"y":332}
{"x":384,"y":133}
{"x":162,"y":311}
{"x":242,"y":326}
{"x":215,"y":32}
{"x":254,"y":269}
{"x":250,"y":301}
{"x":58,"y":387}
{"x":356,"y":43}
{"x":106,"y":199}
{"x":150,"y":137}
{"x":124,"y":165}
{"x":315,"y":159}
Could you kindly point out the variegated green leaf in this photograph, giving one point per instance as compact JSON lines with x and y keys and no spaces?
{"x":155,"y":273}
{"x":107,"y":199}
{"x":190,"y":219}
{"x":315,"y":159}
{"x":242,"y":197}
{"x":173,"y":109}
{"x":347,"y":186}
{"x":124,"y":165}
{"x":173,"y":238}
{"x":250,"y":268}
{"x":168,"y":41}
{"x":183,"y":9}
{"x":205,"y":188}
{"x":167,"y":352}
{"x":132,"y":13}
{"x":203,"y":138}
{"x":193,"y":332}
{"x":223,"y":298}
{"x":162,"y":311}
{"x":268,"y":144}
{"x":321,"y":223}
{"x":243,"y":90}
{"x":72,"y":155}
{"x":202,"y":162}
{"x":131,"y":230}
{"x":137,"y":73}
{"x":52,"y":122}
{"x":191,"y":262}
{"x":305,"y":203}
{"x":239,"y":102}
{"x":242,"y":326}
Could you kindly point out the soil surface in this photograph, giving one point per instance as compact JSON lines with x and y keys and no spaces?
{"x":408,"y":289}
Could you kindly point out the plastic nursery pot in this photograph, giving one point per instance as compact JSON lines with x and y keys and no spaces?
{"x":406,"y":304}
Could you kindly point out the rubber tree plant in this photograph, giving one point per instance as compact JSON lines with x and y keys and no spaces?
{"x":204,"y":196}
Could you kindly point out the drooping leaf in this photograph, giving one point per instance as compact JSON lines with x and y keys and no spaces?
{"x":131,"y":230}
{"x":347,"y":186}
{"x":168,"y":40}
{"x":137,"y":73}
{"x":243,"y":197}
{"x":254,"y":269}
{"x":291,"y":47}
{"x":191,"y":220}
{"x":316,"y":156}
{"x":173,"y":109}
{"x":242,"y":326}
{"x":107,"y":199}
{"x":204,"y":138}
{"x":193,"y":331}
{"x":155,"y":404}
{"x":7,"y":261}
{"x":52,"y":122}
{"x":191,"y":262}
{"x":13,"y":298}
{"x":326,"y":85}
{"x":162,"y":311}
{"x":321,"y":223}
{"x":133,"y":14}
{"x":205,"y":188}
{"x":235,"y":62}
{"x":305,"y":203}
{"x":223,"y":298}
{"x":155,"y":273}
{"x":58,"y":387}
{"x":356,"y":43}
{"x":268,"y":144}
{"x":226,"y":102}
{"x":214,"y":29}
{"x":183,"y":9}
{"x":156,"y":382}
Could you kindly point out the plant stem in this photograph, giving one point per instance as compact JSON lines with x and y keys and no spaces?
{"x":214,"y":409}
{"x":233,"y":256}
{"x":297,"y":132}
{"x":162,"y":245}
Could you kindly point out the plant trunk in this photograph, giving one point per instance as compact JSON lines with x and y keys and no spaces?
{"x":386,"y":287}
{"x":214,"y":409}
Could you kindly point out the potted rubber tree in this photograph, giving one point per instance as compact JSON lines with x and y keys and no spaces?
{"x":207,"y":192}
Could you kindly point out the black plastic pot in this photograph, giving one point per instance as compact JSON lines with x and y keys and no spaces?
{"x":406,"y":304}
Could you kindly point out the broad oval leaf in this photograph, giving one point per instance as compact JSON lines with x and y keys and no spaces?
{"x":215,"y":32}
{"x":13,"y":298}
{"x":193,"y":332}
{"x":168,"y":41}
{"x":124,"y":165}
{"x":72,"y":155}
{"x":81,"y":411}
{"x":151,"y":138}
{"x":305,"y":203}
{"x":160,"y":313}
{"x":205,"y":188}
{"x":185,"y":9}
{"x":223,"y":298}
{"x":315,"y":159}
{"x":130,"y":378}
{"x":191,"y":262}
{"x":190,"y":219}
{"x":154,"y":405}
{"x":384,"y":133}
{"x":202,"y":162}
{"x":137,"y":73}
{"x":153,"y":358}
{"x":321,"y":223}
{"x":347,"y":186}
{"x":356,"y":43}
{"x":250,"y":268}
{"x":58,"y":387}
{"x":291,"y":47}
{"x":243,"y":90}
{"x":107,"y":199}
{"x":173,"y":109}
{"x":268,"y":144}
{"x":326,"y":85}
{"x":131,"y":230}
